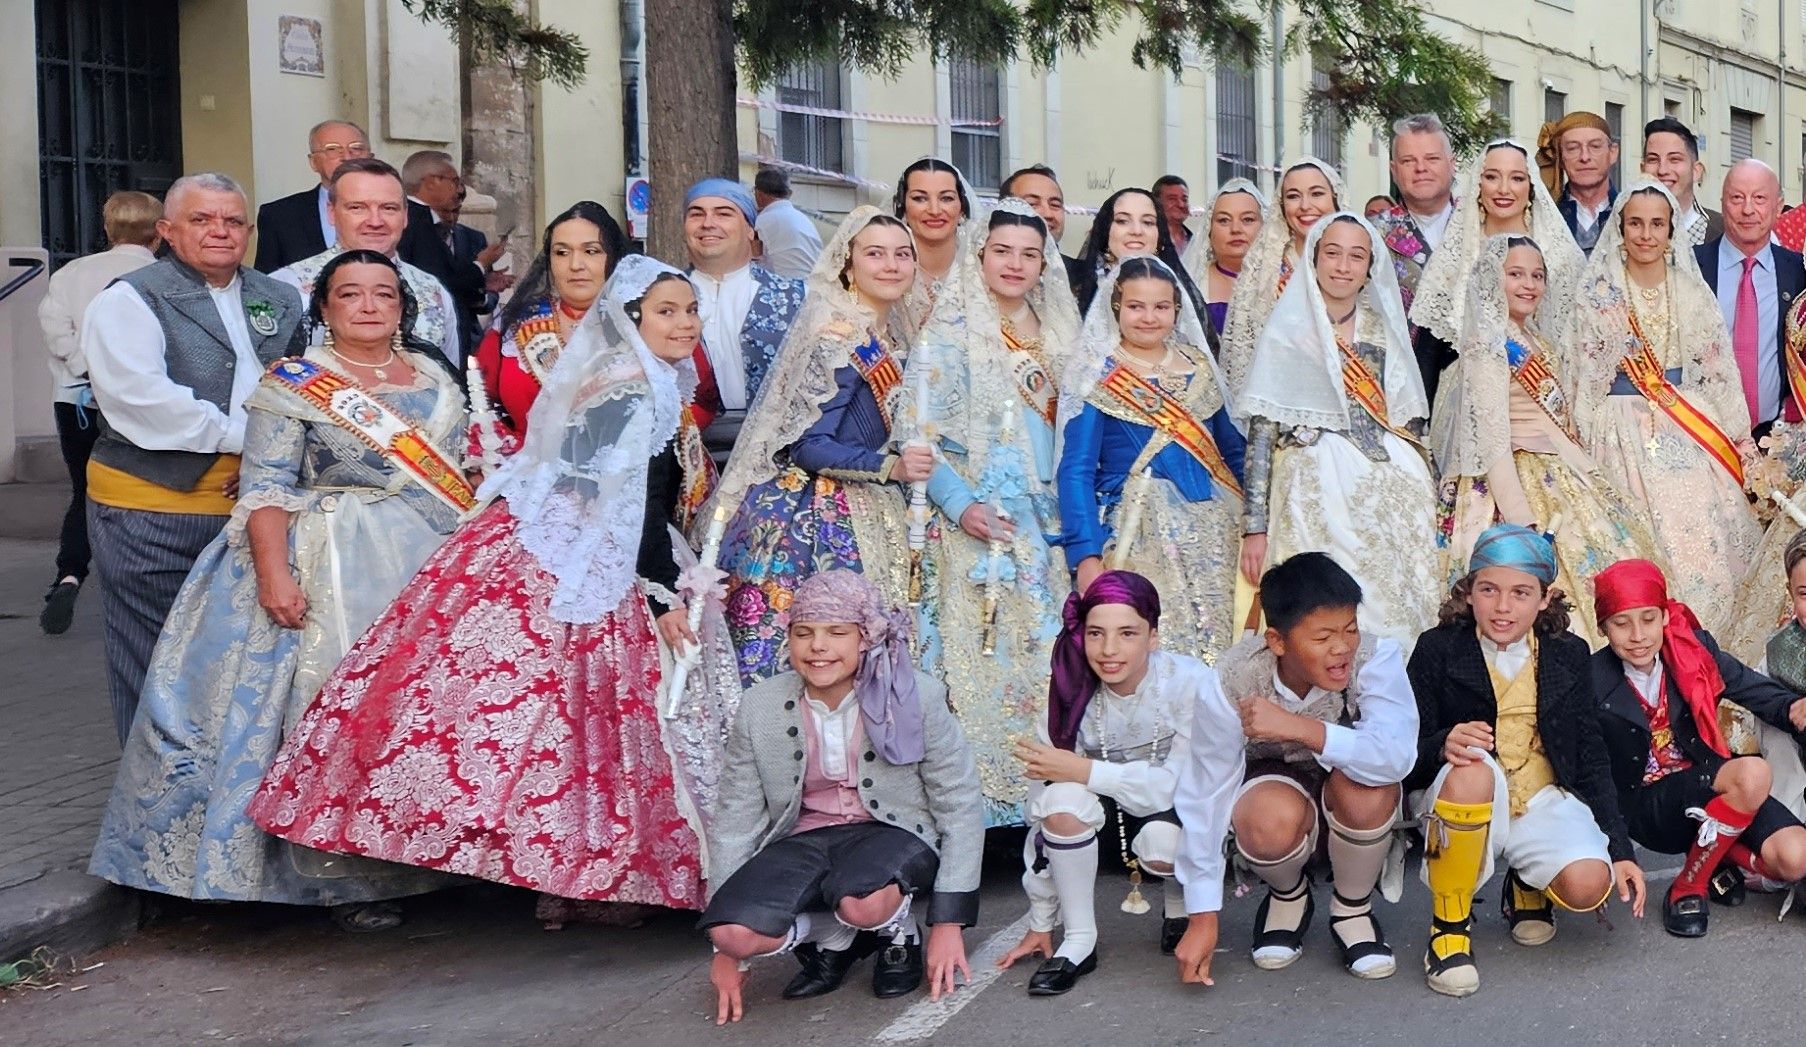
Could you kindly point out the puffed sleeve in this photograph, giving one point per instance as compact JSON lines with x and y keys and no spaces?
{"x":269,"y":474}
{"x":1381,"y":747}
{"x":1208,"y":779}
{"x":1076,"y":481}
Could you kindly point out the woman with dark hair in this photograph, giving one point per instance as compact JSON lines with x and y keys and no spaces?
{"x":1129,"y":224}
{"x":1150,"y":474}
{"x":503,"y":719}
{"x":578,"y":254}
{"x":934,"y":200}
{"x":349,"y":482}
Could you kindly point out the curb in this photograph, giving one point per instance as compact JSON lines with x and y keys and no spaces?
{"x":68,"y":911}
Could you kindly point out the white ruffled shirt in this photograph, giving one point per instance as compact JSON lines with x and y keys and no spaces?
{"x":724,"y":304}
{"x":1432,"y":227}
{"x":1507,"y":661}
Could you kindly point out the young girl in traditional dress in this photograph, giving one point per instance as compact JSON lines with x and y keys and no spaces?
{"x":1150,"y":463}
{"x":986,"y":370}
{"x":1334,"y":410}
{"x":1657,"y":400}
{"x":817,"y":478}
{"x":326,"y":531}
{"x":1309,"y":190}
{"x":1215,"y":260}
{"x":503,"y":719}
{"x":1504,"y":437}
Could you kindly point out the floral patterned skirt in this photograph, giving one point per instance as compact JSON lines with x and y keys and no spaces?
{"x":470,"y":731}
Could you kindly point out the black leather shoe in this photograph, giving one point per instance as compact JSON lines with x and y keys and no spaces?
{"x":1727,"y":887}
{"x":898,"y":971}
{"x":823,"y":970}
{"x":1058,"y":975}
{"x":1685,"y":917}
{"x":1172,"y":928}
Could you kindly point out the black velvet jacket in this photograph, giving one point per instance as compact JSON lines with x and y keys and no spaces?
{"x":1453,"y":686}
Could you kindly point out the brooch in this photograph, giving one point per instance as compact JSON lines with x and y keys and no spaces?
{"x":262,"y":317}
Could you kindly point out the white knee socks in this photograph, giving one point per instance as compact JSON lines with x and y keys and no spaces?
{"x":1072,"y":866}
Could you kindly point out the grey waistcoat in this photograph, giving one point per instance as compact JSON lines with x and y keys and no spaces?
{"x":198,"y":354}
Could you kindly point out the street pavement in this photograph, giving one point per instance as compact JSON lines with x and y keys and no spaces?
{"x":472,"y":967}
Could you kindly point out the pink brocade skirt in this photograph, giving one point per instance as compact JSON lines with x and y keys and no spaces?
{"x":470,"y":731}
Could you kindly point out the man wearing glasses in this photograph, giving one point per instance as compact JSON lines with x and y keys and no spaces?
{"x":1577,"y":156}
{"x":300,"y":226}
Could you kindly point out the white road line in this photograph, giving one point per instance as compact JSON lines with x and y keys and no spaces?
{"x":924,"y":1018}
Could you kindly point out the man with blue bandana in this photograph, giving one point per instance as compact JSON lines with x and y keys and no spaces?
{"x":1511,"y":758}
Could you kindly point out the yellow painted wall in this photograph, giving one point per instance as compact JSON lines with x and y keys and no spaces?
{"x":578,"y":132}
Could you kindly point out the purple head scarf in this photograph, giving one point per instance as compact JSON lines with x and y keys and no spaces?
{"x":1073,"y":683}
{"x":885,"y":685}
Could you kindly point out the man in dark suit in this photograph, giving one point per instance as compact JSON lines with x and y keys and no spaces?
{"x":299,"y":226}
{"x":1756,"y":281}
{"x":435,"y":189}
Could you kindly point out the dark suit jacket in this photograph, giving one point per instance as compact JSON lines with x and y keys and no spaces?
{"x":1625,"y":726}
{"x":467,"y":243}
{"x":421,"y":247}
{"x":288,"y":230}
{"x":1449,"y":676}
{"x":1790,"y":283}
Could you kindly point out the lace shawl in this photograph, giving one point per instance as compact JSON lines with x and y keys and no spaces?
{"x":1199,"y":255}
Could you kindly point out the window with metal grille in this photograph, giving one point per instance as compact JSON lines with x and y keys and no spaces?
{"x":808,"y":138}
{"x":977,"y":95}
{"x":1555,"y":104}
{"x":1238,"y":134}
{"x":1743,"y":134}
{"x":1614,"y":120}
{"x":1328,"y":129}
{"x":1501,"y":99}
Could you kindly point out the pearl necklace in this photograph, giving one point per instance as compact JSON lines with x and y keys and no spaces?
{"x":376,"y":368}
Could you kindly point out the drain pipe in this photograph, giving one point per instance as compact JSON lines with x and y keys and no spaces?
{"x":1645,"y":12}
{"x":1781,"y":95}
{"x":1279,"y":95}
{"x":633,"y":41}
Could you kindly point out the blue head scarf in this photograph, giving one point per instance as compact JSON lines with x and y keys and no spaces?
{"x":727,"y":189}
{"x":1516,"y":547}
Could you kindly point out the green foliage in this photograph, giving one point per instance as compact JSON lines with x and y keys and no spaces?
{"x":493,"y":29}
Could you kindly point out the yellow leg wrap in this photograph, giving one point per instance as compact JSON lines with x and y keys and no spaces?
{"x":1454,"y":855}
{"x":1557,"y":899}
{"x":1529,"y":899}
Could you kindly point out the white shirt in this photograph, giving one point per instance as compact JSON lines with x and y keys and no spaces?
{"x":1648,"y":682}
{"x":327,"y":229}
{"x":1586,"y":217}
{"x":724,"y":304}
{"x":834,"y":727}
{"x":1211,"y":767}
{"x":124,"y":345}
{"x":1507,"y":661}
{"x":1152,"y":727}
{"x":1434,"y":227}
{"x":791,"y":240}
{"x":71,"y":289}
{"x":1381,"y":747}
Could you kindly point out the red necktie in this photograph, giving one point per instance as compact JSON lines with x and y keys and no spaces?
{"x":1744,"y":340}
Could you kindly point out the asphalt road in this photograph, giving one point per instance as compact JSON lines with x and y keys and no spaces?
{"x":471,"y":967}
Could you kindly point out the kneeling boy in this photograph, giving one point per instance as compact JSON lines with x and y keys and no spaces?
{"x":848,"y":790}
{"x":1510,"y":753}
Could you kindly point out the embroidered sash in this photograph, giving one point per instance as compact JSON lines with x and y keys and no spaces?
{"x":1646,"y":374}
{"x":1363,"y":388}
{"x":1285,"y":277}
{"x":879,"y":369}
{"x":699,"y":472}
{"x":1169,"y":416}
{"x":1029,"y":367}
{"x":537,"y":342}
{"x":1794,"y":353}
{"x":352,"y":408}
{"x":1532,"y":371}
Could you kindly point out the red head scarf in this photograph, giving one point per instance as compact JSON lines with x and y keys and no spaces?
{"x":1629,"y":584}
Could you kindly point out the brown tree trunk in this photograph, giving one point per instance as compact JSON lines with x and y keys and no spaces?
{"x":498,"y":147}
{"x":690,"y":83}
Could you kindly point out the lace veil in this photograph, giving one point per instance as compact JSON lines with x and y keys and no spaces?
{"x":1442,"y":294}
{"x":1296,"y":375}
{"x":918,"y":304}
{"x":1256,"y":289}
{"x":960,"y":353}
{"x":577,"y":486}
{"x":1600,"y":330}
{"x":829,"y":325}
{"x":1199,"y":256}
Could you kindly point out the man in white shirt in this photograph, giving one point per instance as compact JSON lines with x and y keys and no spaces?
{"x":173,"y":350}
{"x":130,"y":219}
{"x":369,"y":212}
{"x":746,"y":308}
{"x":791,"y":241}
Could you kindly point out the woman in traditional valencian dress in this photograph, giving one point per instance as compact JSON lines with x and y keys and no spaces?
{"x":1149,"y":458}
{"x":1504,"y":438}
{"x":1334,"y":410}
{"x":817,"y":478}
{"x":1129,"y":225}
{"x":1658,"y":403}
{"x":1500,"y":195}
{"x":1309,"y":190}
{"x":1214,"y":261}
{"x":935,"y":201}
{"x":349,"y":482}
{"x":504,"y":718}
{"x":986,"y":369}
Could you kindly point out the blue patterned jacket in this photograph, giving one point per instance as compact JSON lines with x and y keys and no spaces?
{"x":762,"y":333}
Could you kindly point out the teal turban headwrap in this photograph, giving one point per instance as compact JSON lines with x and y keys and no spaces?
{"x":1516,"y":547}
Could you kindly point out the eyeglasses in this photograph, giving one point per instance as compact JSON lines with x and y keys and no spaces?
{"x":452,"y":178}
{"x":347,"y":150}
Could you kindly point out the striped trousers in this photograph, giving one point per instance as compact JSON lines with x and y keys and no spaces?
{"x":141,"y":559}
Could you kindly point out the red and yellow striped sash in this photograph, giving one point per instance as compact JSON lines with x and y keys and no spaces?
{"x":1363,"y":388}
{"x":1169,"y":416}
{"x":1646,"y":375}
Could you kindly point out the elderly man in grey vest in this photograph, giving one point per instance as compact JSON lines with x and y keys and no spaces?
{"x":173,"y":351}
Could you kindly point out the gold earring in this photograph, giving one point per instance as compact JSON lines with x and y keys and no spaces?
{"x":395,"y":341}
